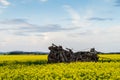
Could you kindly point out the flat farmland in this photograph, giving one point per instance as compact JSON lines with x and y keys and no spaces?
{"x":35,"y":67}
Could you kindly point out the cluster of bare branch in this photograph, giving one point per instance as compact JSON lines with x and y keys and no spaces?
{"x":58,"y":54}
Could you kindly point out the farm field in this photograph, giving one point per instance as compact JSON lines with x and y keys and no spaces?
{"x":35,"y":67}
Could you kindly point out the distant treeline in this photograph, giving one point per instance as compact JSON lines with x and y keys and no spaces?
{"x":110,"y":53}
{"x":40,"y":53}
{"x":25,"y":53}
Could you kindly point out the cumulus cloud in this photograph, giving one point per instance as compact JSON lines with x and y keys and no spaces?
{"x":4,"y":2}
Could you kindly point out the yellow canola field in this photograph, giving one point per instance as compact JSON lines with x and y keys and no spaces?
{"x":35,"y":67}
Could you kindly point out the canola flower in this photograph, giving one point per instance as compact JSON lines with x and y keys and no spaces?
{"x":35,"y":67}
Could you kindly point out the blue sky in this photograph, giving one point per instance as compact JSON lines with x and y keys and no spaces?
{"x":33,"y":25}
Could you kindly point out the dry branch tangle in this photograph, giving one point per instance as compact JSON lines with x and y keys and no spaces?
{"x":58,"y":54}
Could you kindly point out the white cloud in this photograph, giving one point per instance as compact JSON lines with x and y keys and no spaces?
{"x":24,"y":28}
{"x":102,"y":38}
{"x":76,"y":18}
{"x":4,"y":2}
{"x":106,"y":39}
{"x":43,"y":0}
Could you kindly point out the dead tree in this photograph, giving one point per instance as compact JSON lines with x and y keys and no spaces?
{"x":58,"y":54}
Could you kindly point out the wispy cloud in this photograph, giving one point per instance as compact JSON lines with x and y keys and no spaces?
{"x":117,"y":3}
{"x":112,"y":31}
{"x":18,"y":26}
{"x":100,"y":19}
{"x":43,"y":0}
{"x":4,"y":2}
{"x":14,"y":21}
{"x":76,"y":18}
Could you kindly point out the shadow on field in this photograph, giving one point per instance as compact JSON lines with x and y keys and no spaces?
{"x":43,"y":62}
{"x":37,"y":62}
{"x":104,"y":59}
